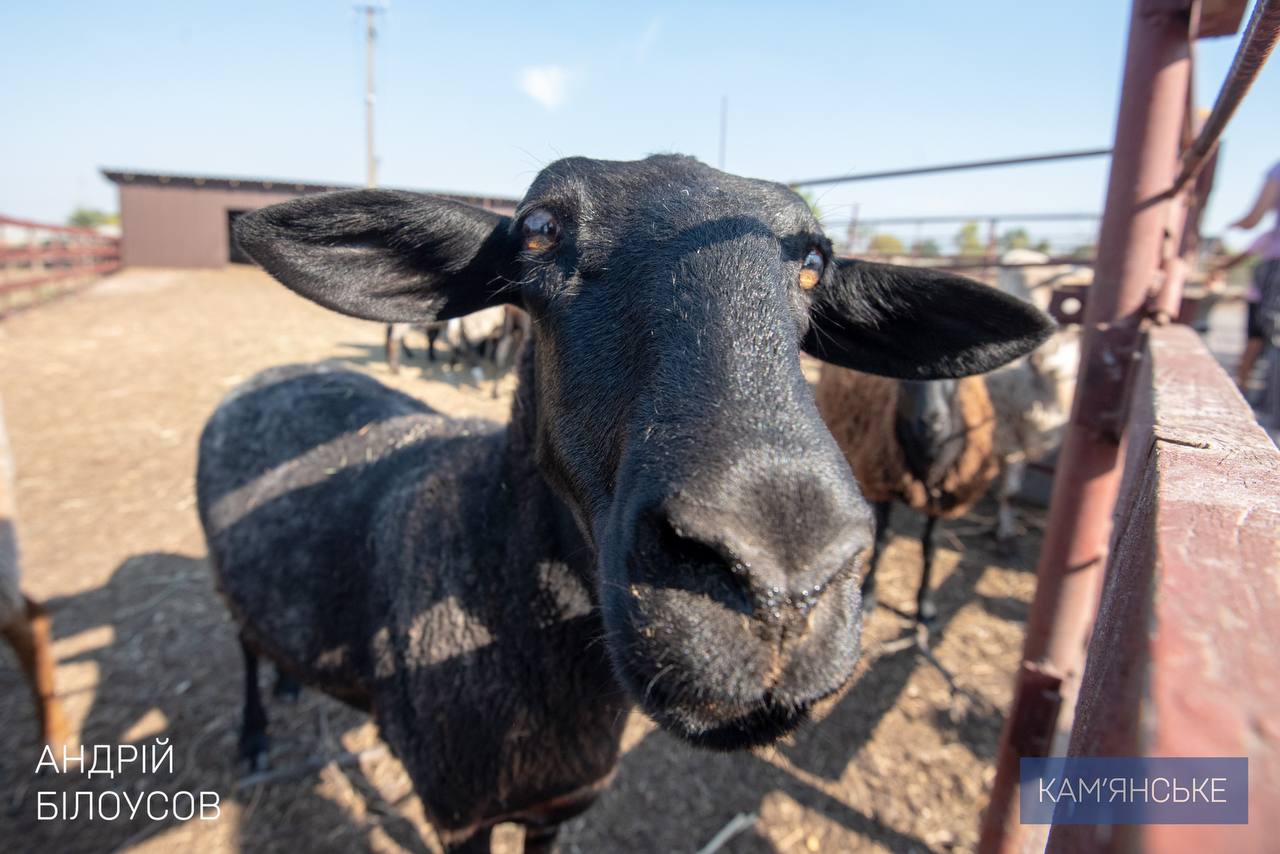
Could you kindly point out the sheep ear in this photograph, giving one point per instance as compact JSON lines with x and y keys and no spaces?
{"x":384,"y":254}
{"x":917,"y":323}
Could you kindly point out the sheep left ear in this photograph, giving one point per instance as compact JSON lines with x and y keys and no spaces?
{"x":917,"y":323}
{"x":384,"y":254}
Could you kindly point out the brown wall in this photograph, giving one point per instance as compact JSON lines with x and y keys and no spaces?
{"x":181,"y":226}
{"x":185,"y":226}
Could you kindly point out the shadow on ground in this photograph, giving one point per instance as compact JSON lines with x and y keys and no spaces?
{"x":157,"y":651}
{"x":159,"y":655}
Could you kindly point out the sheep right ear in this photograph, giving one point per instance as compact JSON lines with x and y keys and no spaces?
{"x":384,"y":255}
{"x":917,"y":323}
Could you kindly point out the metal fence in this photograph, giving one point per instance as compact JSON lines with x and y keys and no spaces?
{"x":40,"y":260}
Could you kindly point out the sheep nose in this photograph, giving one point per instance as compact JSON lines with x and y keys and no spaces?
{"x":784,"y":536}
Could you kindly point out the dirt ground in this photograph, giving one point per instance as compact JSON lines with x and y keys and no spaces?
{"x":105,"y":395}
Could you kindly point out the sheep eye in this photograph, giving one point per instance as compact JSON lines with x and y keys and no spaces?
{"x":540,"y":230}
{"x":811,"y":272}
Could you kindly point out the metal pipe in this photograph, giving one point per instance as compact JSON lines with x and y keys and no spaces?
{"x":954,"y":167}
{"x":1256,"y":45}
{"x":1027,"y":217}
{"x":1145,"y":158}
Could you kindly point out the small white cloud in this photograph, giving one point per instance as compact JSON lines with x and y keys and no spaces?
{"x":546,"y":84}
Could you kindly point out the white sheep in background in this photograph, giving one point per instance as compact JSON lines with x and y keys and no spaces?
{"x":1032,"y":401}
{"x":1028,"y":276}
{"x":1032,"y":395}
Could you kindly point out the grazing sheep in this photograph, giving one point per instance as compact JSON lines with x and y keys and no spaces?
{"x":24,"y":623}
{"x":665,"y":522}
{"x":926,"y":444}
{"x":1031,"y":397}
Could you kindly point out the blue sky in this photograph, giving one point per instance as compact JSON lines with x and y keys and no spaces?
{"x":476,"y":97}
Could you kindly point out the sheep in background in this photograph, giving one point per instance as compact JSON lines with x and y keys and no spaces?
{"x":471,"y":339}
{"x":928,"y":444}
{"x":24,"y":622}
{"x":665,"y":522}
{"x":1031,"y":397}
{"x":1026,"y":275}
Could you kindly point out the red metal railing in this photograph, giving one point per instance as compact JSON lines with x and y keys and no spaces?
{"x":38,"y":258}
{"x":1138,"y":277}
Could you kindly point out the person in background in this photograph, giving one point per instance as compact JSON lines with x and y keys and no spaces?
{"x":1264,"y":292}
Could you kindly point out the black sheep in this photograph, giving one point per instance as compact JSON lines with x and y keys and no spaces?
{"x":666,"y":521}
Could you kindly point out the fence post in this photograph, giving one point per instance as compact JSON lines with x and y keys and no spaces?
{"x":1144,"y":163}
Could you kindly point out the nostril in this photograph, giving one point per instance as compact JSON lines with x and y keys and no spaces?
{"x":752,"y":573}
{"x":684,"y":544}
{"x":704,"y":563}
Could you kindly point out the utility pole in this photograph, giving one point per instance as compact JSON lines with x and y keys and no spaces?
{"x":724,"y":125}
{"x":371,"y":34}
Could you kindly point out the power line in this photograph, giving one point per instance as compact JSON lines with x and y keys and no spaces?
{"x":1014,"y":217}
{"x":954,"y":167}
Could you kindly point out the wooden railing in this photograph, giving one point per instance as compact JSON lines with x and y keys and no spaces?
{"x":38,"y":260}
{"x":1183,"y":656}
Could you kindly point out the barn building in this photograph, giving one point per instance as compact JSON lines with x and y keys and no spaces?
{"x":185,"y":220}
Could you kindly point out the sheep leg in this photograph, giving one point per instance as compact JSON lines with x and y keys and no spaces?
{"x":29,"y":637}
{"x":254,"y":743}
{"x":433,"y":334}
{"x":881,"y":509}
{"x":393,"y":348}
{"x":1006,"y":520}
{"x":477,"y":843}
{"x":472,"y":354}
{"x":505,"y":342}
{"x":540,"y":838}
{"x":926,"y":610}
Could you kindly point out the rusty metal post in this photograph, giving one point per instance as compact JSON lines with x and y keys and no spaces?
{"x":1182,"y":238}
{"x":1143,"y":165}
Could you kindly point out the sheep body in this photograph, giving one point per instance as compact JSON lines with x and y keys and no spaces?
{"x":862,"y":412}
{"x":860,"y":409}
{"x":358,"y":546}
{"x":665,"y":521}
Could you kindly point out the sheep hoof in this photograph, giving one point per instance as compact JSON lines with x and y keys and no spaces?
{"x":927,"y":613}
{"x":255,"y":753}
{"x":286,"y":689}
{"x":1006,"y":546}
